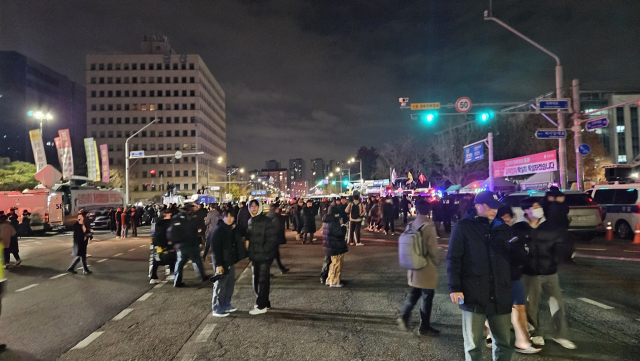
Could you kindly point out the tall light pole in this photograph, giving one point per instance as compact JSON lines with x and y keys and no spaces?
{"x":40,"y":116}
{"x":562,"y":147}
{"x":126,"y":160}
{"x":353,"y":160}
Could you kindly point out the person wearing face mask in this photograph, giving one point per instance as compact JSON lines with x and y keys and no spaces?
{"x":479,"y":270}
{"x":546,"y":249}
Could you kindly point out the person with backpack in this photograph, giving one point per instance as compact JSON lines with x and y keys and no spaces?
{"x":356,"y":212}
{"x":162,"y":252}
{"x":418,"y":252}
{"x":334,"y":247}
{"x":186,"y":242}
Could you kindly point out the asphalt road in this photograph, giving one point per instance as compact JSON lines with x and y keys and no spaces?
{"x":114,"y":314}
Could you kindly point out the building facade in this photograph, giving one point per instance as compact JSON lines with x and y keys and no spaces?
{"x":299,"y":188}
{"x":125,"y":92}
{"x":317,"y":170}
{"x":297,"y":169}
{"x":27,"y":86}
{"x":277,"y":178}
{"x":272,"y":164}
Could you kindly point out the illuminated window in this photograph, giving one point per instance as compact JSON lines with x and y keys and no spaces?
{"x":619,"y":128}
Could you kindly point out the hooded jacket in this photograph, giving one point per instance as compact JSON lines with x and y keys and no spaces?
{"x":546,"y":247}
{"x":333,"y":234}
{"x":478,"y":264}
{"x":226,"y":246}
{"x":262,"y":237}
{"x":277,"y":221}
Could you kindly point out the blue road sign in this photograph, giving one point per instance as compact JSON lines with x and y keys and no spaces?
{"x":137,"y":153}
{"x":584,"y":149}
{"x":473,"y":153}
{"x":596,"y":123}
{"x":553,"y":104}
{"x":551,"y":134}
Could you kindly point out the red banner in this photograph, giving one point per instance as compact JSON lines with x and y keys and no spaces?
{"x":534,"y":163}
{"x":67,"y":155}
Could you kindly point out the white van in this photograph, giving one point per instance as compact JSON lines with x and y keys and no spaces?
{"x":621,"y":206}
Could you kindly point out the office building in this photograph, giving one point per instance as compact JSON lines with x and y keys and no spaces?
{"x":273,"y":164}
{"x":296,"y":169}
{"x":317,"y":170}
{"x":27,"y":87}
{"x":125,"y":92}
{"x":299,"y":188}
{"x":277,"y":178}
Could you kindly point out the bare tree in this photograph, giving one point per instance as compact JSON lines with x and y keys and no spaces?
{"x":449,"y":146}
{"x":404,"y":156}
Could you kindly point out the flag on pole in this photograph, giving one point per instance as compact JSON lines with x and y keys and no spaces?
{"x":92,"y":166}
{"x":65,"y":153}
{"x":38,"y":149}
{"x":104,"y":156}
{"x":422,"y":178}
{"x":393,"y":176}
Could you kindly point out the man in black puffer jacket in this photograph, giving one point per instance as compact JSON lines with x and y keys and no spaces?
{"x":479,"y":275}
{"x":186,"y":242}
{"x":262,"y":239}
{"x":335,"y":246}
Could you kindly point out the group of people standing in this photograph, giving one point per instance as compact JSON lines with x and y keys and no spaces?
{"x":123,"y":219}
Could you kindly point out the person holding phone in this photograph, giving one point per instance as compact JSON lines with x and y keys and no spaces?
{"x":81,"y":235}
{"x":479,"y":273}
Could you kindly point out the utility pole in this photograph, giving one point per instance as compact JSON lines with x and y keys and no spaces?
{"x":126,"y":159}
{"x":490,"y":146}
{"x":577,"y":134}
{"x":562,"y":144}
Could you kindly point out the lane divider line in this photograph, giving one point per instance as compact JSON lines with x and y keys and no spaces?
{"x":626,"y":250}
{"x":81,"y":266}
{"x":595,"y":303}
{"x":132,"y":249}
{"x":58,"y":276}
{"x":145,"y":296}
{"x":160,"y":284}
{"x":206,"y":331}
{"x":119,"y":254}
{"x":87,"y":341}
{"x":592,"y":249}
{"x":122,"y":314}
{"x":26,"y":288}
{"x":581,"y":255}
{"x":144,"y":245}
{"x":102,"y":260}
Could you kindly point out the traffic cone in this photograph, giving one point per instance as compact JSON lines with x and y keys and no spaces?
{"x":609,"y":235}
{"x":636,"y":238}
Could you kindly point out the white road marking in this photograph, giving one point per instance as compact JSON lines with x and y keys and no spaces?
{"x":119,"y":254}
{"x":592,"y":249}
{"x":581,"y":255}
{"x":144,"y":245}
{"x":160,"y":284}
{"x":626,"y":250}
{"x":58,"y":276}
{"x":87,"y":341}
{"x":132,"y":249}
{"x":37,"y":242}
{"x":26,"y":288}
{"x":122,"y":314}
{"x":102,"y":260}
{"x":87,"y":266}
{"x":206,"y":331}
{"x":188,"y":358}
{"x":145,"y":296}
{"x":592,"y":302}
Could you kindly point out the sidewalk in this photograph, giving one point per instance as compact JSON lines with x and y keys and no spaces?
{"x":309,"y":321}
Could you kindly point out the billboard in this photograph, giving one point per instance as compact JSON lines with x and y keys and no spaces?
{"x":529,"y":164}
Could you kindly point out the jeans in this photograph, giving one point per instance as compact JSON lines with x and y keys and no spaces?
{"x":278,"y":262}
{"x":404,"y":216}
{"x":325,"y":269}
{"x":261,"y":282}
{"x":134,"y":229}
{"x":335,"y":268}
{"x":425,"y":309}
{"x":223,"y":290}
{"x":354,"y":232}
{"x":124,"y":231}
{"x":474,"y":334}
{"x":550,"y":285}
{"x":184,"y":255}
{"x":82,"y":259}
{"x":310,"y":237}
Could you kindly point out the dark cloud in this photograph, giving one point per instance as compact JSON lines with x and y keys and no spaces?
{"x":309,"y":79}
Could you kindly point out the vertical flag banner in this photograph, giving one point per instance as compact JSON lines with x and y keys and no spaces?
{"x":104,"y":156}
{"x":95,"y":151}
{"x":38,"y":149}
{"x":67,"y":154}
{"x":58,"y":142}
{"x":90,"y":150}
{"x":393,"y":176}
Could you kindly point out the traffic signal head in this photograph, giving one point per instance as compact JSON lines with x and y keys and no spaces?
{"x":430,"y":116}
{"x":153,"y":172}
{"x":345,"y":182}
{"x":486,"y":116}
{"x":333,"y":183}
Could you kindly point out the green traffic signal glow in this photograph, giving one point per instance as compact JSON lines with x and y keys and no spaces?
{"x":429,"y":117}
{"x":345,"y":182}
{"x":333,"y":183}
{"x":484,"y":116}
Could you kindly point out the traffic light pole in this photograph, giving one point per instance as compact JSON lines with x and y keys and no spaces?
{"x":126,"y":160}
{"x":489,"y":142}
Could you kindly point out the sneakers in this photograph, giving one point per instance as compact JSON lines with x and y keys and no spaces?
{"x":179,"y":285}
{"x":18,"y":262}
{"x":529,"y":350}
{"x":258,"y":311}
{"x":285,"y":270}
{"x":393,"y":233}
{"x":360,"y":244}
{"x":429,"y":332}
{"x":154,"y":281}
{"x":537,"y":340}
{"x":565,"y":343}
{"x":71,"y":270}
{"x":402,"y":325}
{"x":231,"y":310}
{"x":338,"y":285}
{"x":215,"y":314}
{"x":87,"y":272}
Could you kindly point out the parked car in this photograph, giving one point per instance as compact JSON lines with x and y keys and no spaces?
{"x":101,"y":219}
{"x":621,"y":206}
{"x":585,"y":216}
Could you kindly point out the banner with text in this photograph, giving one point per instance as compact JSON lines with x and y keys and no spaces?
{"x":534,"y":163}
{"x":95,"y":151}
{"x":92,"y":165}
{"x":38,"y":149}
{"x":58,"y":143}
{"x":64,"y":151}
{"x":104,"y":156}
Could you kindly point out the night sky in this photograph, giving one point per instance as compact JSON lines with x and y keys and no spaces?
{"x":320,"y":78}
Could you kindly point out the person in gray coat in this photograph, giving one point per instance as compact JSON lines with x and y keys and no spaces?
{"x":424,"y":281}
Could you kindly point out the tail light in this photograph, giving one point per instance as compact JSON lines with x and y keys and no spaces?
{"x":46,"y":218}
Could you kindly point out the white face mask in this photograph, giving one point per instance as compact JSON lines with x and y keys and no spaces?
{"x":535,"y":213}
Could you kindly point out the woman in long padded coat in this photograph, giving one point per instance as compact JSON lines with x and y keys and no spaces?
{"x":309,"y":221}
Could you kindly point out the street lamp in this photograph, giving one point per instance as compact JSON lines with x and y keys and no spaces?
{"x":126,"y":159}
{"x":353,"y":160}
{"x":40,"y":116}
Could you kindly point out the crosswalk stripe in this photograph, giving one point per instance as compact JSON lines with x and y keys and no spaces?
{"x":145,"y":296}
{"x":87,"y":341}
{"x":26,"y":288}
{"x":58,"y":276}
{"x":122,"y":314}
{"x":102,"y":260}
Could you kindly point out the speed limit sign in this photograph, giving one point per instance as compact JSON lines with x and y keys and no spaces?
{"x":463,"y":105}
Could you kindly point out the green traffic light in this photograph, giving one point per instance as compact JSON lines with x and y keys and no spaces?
{"x":345,"y":182}
{"x":430,"y":117}
{"x":484,"y":116}
{"x":333,"y":183}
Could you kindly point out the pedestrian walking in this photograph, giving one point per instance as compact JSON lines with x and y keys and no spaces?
{"x":546,"y":248}
{"x":478,"y":269}
{"x":7,"y":232}
{"x":405,"y":205}
{"x":81,"y":235}
{"x":356,"y":212}
{"x":278,"y":221}
{"x":449,"y":210}
{"x":387,"y":216}
{"x":125,"y":218}
{"x":262,"y":245}
{"x":186,"y":242}
{"x":113,"y":226}
{"x":309,"y":222}
{"x":438,"y":216}
{"x":299,"y":221}
{"x":242,"y":220}
{"x":210,"y":222}
{"x":333,"y":232}
{"x":423,"y":281}
{"x":162,"y":252}
{"x":226,"y":250}
{"x":25,"y":224}
{"x":119,"y":222}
